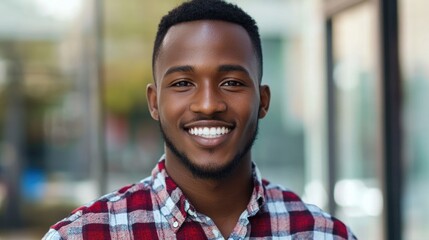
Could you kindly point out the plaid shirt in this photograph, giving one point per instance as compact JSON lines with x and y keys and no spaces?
{"x":156,"y":208}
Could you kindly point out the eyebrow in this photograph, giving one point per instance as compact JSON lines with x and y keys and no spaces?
{"x":233,"y":68}
{"x":185,"y":68}
{"x":222,"y":68}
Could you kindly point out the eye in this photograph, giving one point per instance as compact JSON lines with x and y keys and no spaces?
{"x":182,"y":83}
{"x":232,"y":83}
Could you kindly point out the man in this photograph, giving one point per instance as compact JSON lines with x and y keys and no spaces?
{"x":208,"y":98}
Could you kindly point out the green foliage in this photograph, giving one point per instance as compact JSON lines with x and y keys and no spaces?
{"x":129,"y":32}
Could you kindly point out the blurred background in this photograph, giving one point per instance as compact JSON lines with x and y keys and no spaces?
{"x":74,"y":123}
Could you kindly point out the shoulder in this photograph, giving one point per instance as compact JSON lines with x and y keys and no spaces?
{"x":101,"y":211}
{"x":303,"y":218}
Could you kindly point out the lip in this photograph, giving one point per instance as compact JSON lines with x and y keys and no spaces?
{"x":209,"y":142}
{"x":208,"y":123}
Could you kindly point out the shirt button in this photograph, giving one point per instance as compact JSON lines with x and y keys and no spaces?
{"x":175,"y":224}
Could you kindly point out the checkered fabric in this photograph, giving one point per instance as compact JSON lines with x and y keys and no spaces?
{"x":156,"y":208}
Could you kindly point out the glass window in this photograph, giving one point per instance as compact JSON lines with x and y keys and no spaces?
{"x":289,"y":149}
{"x":357,"y":191}
{"x":414,"y":37}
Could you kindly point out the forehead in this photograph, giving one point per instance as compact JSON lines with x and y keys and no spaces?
{"x":206,"y":43}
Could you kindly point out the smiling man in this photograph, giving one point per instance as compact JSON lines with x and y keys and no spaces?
{"x":208,"y":98}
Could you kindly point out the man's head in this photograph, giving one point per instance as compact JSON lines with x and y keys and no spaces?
{"x":207,"y":97}
{"x":209,"y":10}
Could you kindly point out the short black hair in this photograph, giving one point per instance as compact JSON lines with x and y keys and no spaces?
{"x":195,"y":10}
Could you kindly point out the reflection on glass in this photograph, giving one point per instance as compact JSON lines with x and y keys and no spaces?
{"x":414,"y":37}
{"x":358,"y":190}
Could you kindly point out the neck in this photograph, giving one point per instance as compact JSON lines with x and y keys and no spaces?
{"x":223,"y":200}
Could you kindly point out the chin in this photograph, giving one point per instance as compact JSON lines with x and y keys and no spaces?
{"x":210,"y":170}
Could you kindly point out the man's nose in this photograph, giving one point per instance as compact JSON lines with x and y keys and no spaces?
{"x":208,"y":101}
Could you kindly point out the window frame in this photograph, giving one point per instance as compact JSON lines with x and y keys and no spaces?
{"x":391,"y":107}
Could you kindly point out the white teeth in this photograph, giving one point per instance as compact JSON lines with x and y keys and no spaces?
{"x":206,"y":131}
{"x":209,"y":132}
{"x":212,"y":131}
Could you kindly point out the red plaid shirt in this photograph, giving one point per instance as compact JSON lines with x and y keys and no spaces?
{"x":156,"y":208}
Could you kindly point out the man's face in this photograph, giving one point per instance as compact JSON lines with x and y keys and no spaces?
{"x":207,"y":97}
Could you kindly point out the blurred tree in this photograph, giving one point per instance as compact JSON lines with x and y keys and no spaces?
{"x":129,"y":33}
{"x":32,"y":86}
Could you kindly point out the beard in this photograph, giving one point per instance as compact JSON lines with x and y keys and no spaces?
{"x":211,"y":172}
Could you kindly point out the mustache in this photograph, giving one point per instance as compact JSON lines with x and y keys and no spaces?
{"x":215,"y":119}
{"x":205,"y":118}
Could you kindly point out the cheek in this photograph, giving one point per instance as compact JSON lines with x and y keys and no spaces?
{"x":170,"y":110}
{"x":252,"y":118}
{"x":248,"y":112}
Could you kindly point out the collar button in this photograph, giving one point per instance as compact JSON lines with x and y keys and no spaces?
{"x":175,"y":224}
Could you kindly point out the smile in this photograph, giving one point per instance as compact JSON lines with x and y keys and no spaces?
{"x":209,"y":132}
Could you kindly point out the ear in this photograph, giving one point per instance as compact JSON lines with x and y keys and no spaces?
{"x":265,"y":97}
{"x":152,"y":100}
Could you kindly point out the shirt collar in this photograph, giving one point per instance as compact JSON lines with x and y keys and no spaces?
{"x":174,"y":205}
{"x":170,"y":198}
{"x":257,"y":200}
